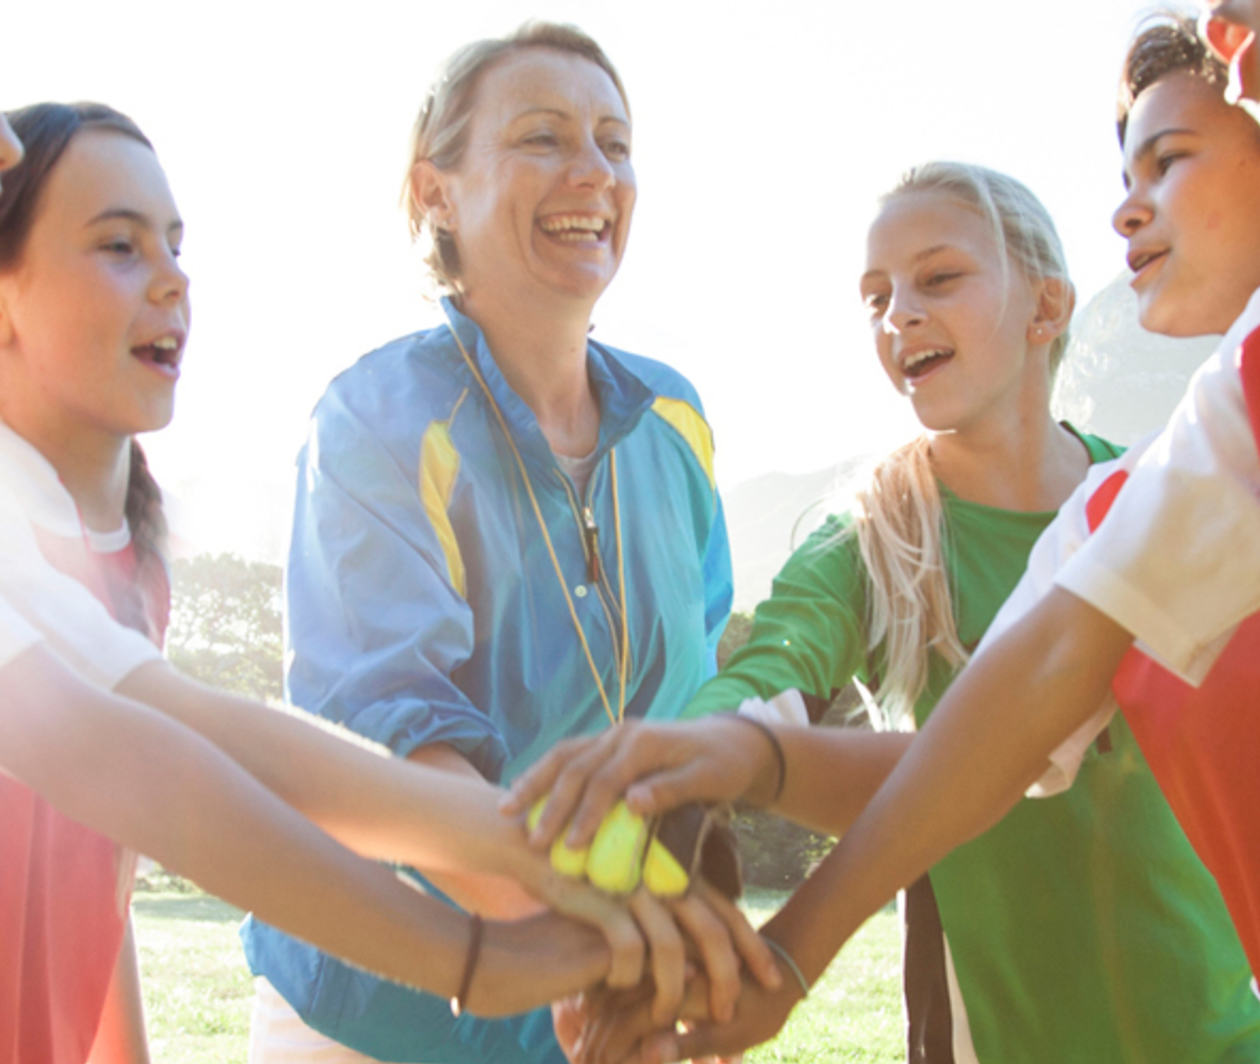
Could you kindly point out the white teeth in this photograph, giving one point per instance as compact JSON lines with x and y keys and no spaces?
{"x":919,"y":357}
{"x":167,"y":343}
{"x":559,"y":223}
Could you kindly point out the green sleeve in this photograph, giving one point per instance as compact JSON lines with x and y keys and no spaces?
{"x":808,"y":635}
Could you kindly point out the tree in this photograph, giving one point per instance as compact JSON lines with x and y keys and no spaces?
{"x":226,"y":625}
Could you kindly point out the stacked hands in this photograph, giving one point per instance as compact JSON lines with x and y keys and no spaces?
{"x":640,"y":811}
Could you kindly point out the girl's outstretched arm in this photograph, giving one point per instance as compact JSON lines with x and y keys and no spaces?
{"x":989,"y":738}
{"x":155,"y":785}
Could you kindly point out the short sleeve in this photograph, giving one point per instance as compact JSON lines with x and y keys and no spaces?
{"x":15,"y":634}
{"x":42,"y":603}
{"x":806,"y":637}
{"x":1174,"y":561}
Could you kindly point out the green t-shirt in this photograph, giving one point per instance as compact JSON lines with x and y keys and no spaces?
{"x":1082,"y":927}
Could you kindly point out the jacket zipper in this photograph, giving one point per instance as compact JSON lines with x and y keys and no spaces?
{"x":596,"y":572}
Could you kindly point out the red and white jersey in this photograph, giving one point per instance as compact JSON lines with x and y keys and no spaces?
{"x":64,"y":889}
{"x":1166,"y":541}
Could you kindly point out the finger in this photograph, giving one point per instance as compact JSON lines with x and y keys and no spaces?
{"x":703,"y":1040}
{"x":721,"y":762}
{"x":709,"y":934}
{"x":570,"y":785}
{"x":616,"y":1036}
{"x":626,"y":947}
{"x":612,"y":1009}
{"x":668,"y":957}
{"x":537,"y":780}
{"x":758,"y":957}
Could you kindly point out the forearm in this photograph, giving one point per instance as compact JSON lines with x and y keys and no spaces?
{"x":832,"y":773}
{"x":379,"y":805}
{"x":490,"y":895}
{"x":987,"y":740}
{"x":154,"y":785}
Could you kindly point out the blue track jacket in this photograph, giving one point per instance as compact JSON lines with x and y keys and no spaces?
{"x":423,"y":608}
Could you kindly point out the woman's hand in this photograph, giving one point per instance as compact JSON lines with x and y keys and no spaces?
{"x":656,"y":766}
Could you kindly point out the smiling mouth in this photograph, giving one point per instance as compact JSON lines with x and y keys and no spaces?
{"x":577,"y":228}
{"x":163,"y":353}
{"x":1139,"y":262}
{"x":921,"y":362}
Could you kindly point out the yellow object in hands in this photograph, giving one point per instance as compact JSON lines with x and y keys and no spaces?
{"x":565,"y":859}
{"x":615,"y":863}
{"x":662,"y":874}
{"x":628,"y":850}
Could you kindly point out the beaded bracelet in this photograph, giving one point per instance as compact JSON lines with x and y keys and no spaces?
{"x":786,"y":958}
{"x":470,"y":962}
{"x":775,"y":745}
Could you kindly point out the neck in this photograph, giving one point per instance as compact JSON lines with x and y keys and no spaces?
{"x":542,"y":356}
{"x":1030,"y":465}
{"x":93,"y":466}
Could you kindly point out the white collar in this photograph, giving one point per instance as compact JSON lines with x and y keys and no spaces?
{"x":32,"y":484}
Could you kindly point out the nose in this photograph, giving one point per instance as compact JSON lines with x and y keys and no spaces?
{"x":1131,"y":215}
{"x":903,"y":311}
{"x":170,"y":282}
{"x":10,"y":146}
{"x":591,"y":167}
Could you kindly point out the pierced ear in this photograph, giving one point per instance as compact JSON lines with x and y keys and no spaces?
{"x":430,"y":195}
{"x":1056,"y":300}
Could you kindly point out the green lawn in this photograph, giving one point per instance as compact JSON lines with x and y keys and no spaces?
{"x":198,"y":991}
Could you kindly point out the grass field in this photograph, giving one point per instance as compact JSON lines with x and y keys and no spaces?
{"x":198,"y":991}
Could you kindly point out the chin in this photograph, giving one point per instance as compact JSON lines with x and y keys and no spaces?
{"x":1183,"y":326}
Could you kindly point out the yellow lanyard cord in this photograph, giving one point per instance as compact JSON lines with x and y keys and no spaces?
{"x":551,"y":551}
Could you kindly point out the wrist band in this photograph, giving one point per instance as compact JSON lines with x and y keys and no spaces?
{"x":775,"y":745}
{"x":470,"y":962}
{"x":786,"y":958}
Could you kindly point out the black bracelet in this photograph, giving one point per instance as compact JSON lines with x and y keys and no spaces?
{"x":775,"y":745}
{"x":470,"y":962}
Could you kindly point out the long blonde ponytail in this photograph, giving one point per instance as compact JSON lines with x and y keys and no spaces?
{"x":898,"y":517}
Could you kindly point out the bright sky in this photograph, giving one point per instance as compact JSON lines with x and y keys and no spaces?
{"x":764,"y":129}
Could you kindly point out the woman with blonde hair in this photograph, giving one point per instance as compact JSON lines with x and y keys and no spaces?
{"x":1066,"y":925}
{"x":506,"y":531}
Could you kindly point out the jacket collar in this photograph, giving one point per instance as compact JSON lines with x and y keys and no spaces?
{"x":623,"y":397}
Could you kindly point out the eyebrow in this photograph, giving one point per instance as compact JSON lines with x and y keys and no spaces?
{"x":140,"y":218}
{"x":926,"y":253}
{"x":1148,"y":145}
{"x":561,"y":113}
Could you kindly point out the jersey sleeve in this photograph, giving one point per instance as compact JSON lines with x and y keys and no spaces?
{"x":806,"y":637}
{"x":1175,"y":559}
{"x":15,"y":634}
{"x":377,"y":620}
{"x":41,"y":603}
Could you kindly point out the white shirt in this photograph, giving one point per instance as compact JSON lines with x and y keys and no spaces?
{"x":1176,"y":561}
{"x":37,"y":602}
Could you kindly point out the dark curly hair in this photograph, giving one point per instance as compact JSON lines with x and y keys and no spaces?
{"x":1169,"y":44}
